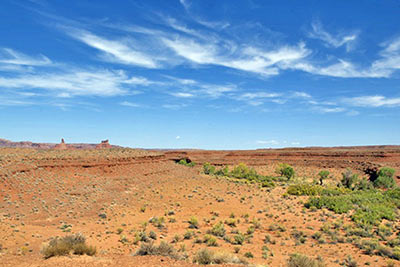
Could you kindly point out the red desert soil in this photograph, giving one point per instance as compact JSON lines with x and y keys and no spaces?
{"x":48,"y":193}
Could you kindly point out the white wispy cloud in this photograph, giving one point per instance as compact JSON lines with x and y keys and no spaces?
{"x":130,"y":104}
{"x":255,"y":95}
{"x":298,"y":94}
{"x":72,"y":82}
{"x":390,"y":60}
{"x":343,"y":69}
{"x":258,"y":98}
{"x":7,"y":101}
{"x":216,"y":91}
{"x":373,"y":101}
{"x":182,"y":95}
{"x":120,"y":51}
{"x":331,"y":110}
{"x":185,"y":4}
{"x":227,"y":54}
{"x":140,"y":81}
{"x":13,"y":57}
{"x":174,"y":106}
{"x":384,"y":67}
{"x":191,"y":88}
{"x":318,"y":32}
{"x":178,"y":44}
{"x":181,"y":81}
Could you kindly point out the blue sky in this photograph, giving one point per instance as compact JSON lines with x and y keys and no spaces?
{"x":201,"y":74}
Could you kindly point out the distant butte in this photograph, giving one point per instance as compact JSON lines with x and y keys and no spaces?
{"x":62,"y":145}
{"x":104,"y":144}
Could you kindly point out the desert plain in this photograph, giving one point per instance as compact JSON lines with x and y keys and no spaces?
{"x":120,"y":199}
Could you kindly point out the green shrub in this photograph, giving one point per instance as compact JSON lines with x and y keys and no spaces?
{"x":364,"y":184}
{"x":386,"y":171}
{"x":65,"y":245}
{"x":223,"y":172}
{"x":394,"y":242}
{"x":210,"y":241}
{"x":371,"y":207}
{"x":298,"y":260}
{"x":218,"y":230}
{"x":153,"y":235}
{"x":385,"y":178}
{"x":187,"y":162}
{"x":349,"y":179}
{"x":164,"y":249}
{"x":285,"y":170}
{"x":208,"y":168}
{"x":338,"y":204}
{"x":369,"y":246}
{"x":323,"y":175}
{"x":384,"y":251}
{"x":231,"y":222}
{"x":358,"y":231}
{"x":158,"y":222}
{"x":384,"y":182}
{"x":396,"y":253}
{"x":188,"y":234}
{"x":304,"y":190}
{"x":193,"y":223}
{"x":239,"y":239}
{"x":242,"y":172}
{"x":249,"y":255}
{"x":335,"y":191}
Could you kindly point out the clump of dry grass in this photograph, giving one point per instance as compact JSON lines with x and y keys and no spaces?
{"x":299,"y":260}
{"x":61,"y":246}
{"x":206,"y":256}
{"x":164,"y":249}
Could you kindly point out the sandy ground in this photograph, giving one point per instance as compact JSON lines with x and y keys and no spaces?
{"x":59,"y":193}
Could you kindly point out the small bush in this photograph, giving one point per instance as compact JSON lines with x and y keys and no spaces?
{"x":153,"y":235}
{"x":349,"y":179}
{"x":384,"y":182}
{"x":208,"y":168}
{"x":218,"y":230}
{"x":210,"y":241}
{"x":188,"y":234}
{"x":298,"y":260}
{"x":239,"y":239}
{"x":65,"y":245}
{"x":323,"y":175}
{"x":164,"y":249}
{"x":385,"y":178}
{"x":186,"y":162}
{"x":231,"y":222}
{"x":385,"y":171}
{"x":193,"y":223}
{"x":249,"y":255}
{"x":83,"y":249}
{"x":205,"y":257}
{"x":285,"y":170}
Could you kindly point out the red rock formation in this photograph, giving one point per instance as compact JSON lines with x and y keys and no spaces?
{"x":103,"y":144}
{"x":62,"y":145}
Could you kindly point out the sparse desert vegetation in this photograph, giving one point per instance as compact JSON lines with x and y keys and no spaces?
{"x":150,"y":208}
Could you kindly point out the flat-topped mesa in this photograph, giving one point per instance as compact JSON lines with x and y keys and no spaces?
{"x":104,"y":144}
{"x":62,"y":145}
